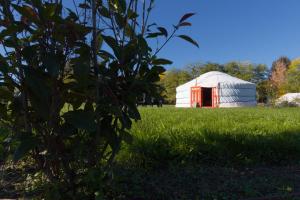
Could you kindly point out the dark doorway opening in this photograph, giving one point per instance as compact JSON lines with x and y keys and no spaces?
{"x":207,"y":97}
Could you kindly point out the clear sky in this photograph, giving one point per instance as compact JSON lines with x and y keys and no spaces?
{"x":244,"y":30}
{"x":258,"y":31}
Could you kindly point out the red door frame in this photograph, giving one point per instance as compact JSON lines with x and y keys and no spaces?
{"x":196,"y":96}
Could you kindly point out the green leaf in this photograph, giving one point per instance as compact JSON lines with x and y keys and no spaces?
{"x":99,"y":41}
{"x":158,"y":69}
{"x":126,"y":121}
{"x":84,"y":6}
{"x":129,"y":31}
{"x":36,"y":83}
{"x":27,"y":53}
{"x":143,"y":45}
{"x":122,"y":5}
{"x":104,"y":12}
{"x":39,"y":91}
{"x":98,"y":196}
{"x":4,"y":67}
{"x":186,"y":16}
{"x":187,"y":38}
{"x":81,"y":119}
{"x":50,"y":10}
{"x":35,"y":3}
{"x":130,"y":51}
{"x":153,"y":74}
{"x":121,"y":22}
{"x":185,"y":24}
{"x":126,"y":136}
{"x":163,"y":31}
{"x":71,"y":15}
{"x":113,"y":44}
{"x":150,"y":25}
{"x":105,"y":55}
{"x":89,"y":107}
{"x":11,"y":30}
{"x":134,"y":113}
{"x":154,"y":35}
{"x":27,"y":12}
{"x":51,"y":63}
{"x":11,"y":42}
{"x":5,"y":93}
{"x":81,"y":73}
{"x":27,"y":143}
{"x":161,"y":61}
{"x":131,"y":14}
{"x":3,"y":113}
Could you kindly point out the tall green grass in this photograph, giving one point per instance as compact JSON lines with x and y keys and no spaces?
{"x":239,"y":136}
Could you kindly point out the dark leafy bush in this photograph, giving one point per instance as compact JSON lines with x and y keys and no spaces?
{"x":68,"y":102}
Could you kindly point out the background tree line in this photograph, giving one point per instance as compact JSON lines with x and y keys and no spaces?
{"x":283,"y":77}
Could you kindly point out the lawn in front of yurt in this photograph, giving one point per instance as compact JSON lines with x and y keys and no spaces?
{"x":229,"y":136}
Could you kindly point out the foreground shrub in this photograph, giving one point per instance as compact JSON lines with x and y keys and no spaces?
{"x":67,"y":101}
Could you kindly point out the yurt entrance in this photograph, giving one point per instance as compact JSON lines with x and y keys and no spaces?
{"x":204,"y":97}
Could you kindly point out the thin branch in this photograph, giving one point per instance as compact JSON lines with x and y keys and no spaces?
{"x":164,"y":44}
{"x":126,"y":21}
{"x":76,"y":10}
{"x":147,"y":18}
{"x":94,"y":39}
{"x":135,"y":10}
{"x":112,"y":22}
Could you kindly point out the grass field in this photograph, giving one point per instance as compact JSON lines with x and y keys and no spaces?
{"x":242,"y":136}
{"x":242,"y":153}
{"x":212,"y":154}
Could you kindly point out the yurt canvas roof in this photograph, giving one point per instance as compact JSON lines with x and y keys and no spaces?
{"x":212,"y":79}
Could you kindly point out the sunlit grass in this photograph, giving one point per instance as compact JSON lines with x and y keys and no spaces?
{"x":215,"y":136}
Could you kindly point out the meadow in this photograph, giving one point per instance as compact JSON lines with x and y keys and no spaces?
{"x":235,"y":153}
{"x":224,"y":137}
{"x":238,"y":153}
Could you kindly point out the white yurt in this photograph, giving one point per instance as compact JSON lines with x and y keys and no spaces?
{"x":292,"y":98}
{"x":216,"y":89}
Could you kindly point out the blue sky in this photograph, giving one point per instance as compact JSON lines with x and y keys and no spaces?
{"x":258,"y":31}
{"x":244,"y":30}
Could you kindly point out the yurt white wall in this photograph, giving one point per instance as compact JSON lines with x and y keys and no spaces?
{"x":183,"y":94}
{"x":237,"y":94}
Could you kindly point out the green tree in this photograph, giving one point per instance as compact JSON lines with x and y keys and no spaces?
{"x":245,"y":71}
{"x":68,"y":102}
{"x":262,"y":91}
{"x":292,"y":83}
{"x":261,"y":73}
{"x":171,"y":80}
{"x":233,"y":68}
{"x":257,"y":74}
{"x":197,"y":69}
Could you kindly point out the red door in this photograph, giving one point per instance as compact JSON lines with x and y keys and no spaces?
{"x":196,"y":96}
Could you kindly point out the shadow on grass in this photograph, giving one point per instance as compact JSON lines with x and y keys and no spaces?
{"x":211,"y":148}
{"x":209,"y":165}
